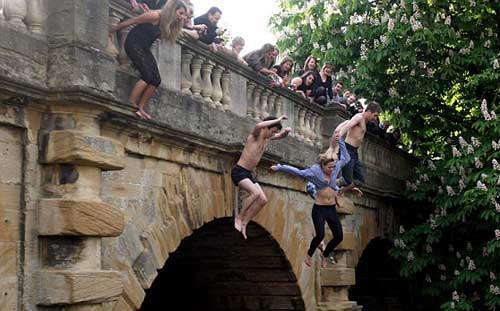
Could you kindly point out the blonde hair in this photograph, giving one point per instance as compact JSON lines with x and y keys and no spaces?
{"x":170,"y":27}
{"x":331,"y":154}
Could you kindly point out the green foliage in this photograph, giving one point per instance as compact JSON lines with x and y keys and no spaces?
{"x":433,"y":65}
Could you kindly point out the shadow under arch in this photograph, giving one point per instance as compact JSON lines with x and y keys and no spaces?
{"x":378,"y":284}
{"x":216,"y":269}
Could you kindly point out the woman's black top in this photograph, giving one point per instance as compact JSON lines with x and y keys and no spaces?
{"x":306,"y":88}
{"x":327,"y":84}
{"x":144,"y":35}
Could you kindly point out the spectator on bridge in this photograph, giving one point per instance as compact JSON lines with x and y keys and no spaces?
{"x":243,"y":174}
{"x":323,"y":176}
{"x":304,"y":85}
{"x":189,"y":28}
{"x":323,"y":84}
{"x":336,"y":97}
{"x":284,"y":70}
{"x":234,"y":49}
{"x":210,"y":20}
{"x":262,"y":60}
{"x":165,"y":24}
{"x":147,"y":5}
{"x":311,"y":64}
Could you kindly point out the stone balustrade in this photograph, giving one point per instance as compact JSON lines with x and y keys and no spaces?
{"x":219,"y":81}
{"x":24,"y":14}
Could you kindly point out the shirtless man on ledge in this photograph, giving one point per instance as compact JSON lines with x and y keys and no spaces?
{"x":353,"y":172}
{"x":243,"y":174}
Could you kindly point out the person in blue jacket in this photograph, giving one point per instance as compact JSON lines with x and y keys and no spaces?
{"x":323,"y":175}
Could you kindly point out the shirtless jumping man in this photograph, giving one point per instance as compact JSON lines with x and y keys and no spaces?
{"x":243,"y":174}
{"x":353,"y":172}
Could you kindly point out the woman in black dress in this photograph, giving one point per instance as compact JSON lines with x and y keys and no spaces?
{"x":166,"y":24}
{"x":323,"y":84}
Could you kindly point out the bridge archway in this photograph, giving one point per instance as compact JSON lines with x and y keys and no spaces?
{"x":216,"y":269}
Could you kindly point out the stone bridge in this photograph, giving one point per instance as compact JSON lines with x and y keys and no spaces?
{"x":102,"y":211}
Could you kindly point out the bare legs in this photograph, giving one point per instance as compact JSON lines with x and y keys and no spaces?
{"x":252,"y":205}
{"x":143,"y":91}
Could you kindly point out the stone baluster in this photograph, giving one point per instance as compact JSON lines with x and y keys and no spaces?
{"x":314,"y":134}
{"x":301,"y":124}
{"x":319,"y":140}
{"x":263,"y":104}
{"x":271,"y":104}
{"x":196,"y":71}
{"x":111,"y":48}
{"x":206,"y":82}
{"x":226,"y":90}
{"x":2,"y":17}
{"x":186,"y":77}
{"x":122,"y":56}
{"x":250,"y":103}
{"x":15,"y":12}
{"x":217,"y":86}
{"x":279,"y":106}
{"x":307,"y":127}
{"x":35,"y":16}
{"x":256,"y":102}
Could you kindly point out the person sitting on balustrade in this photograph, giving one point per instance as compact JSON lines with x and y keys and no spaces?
{"x":262,"y":60}
{"x":322,"y":89}
{"x":284,"y":70}
{"x":210,"y":34}
{"x":165,"y":24}
{"x":304,"y":85}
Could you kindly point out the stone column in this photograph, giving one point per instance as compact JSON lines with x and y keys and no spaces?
{"x":217,"y":86}
{"x":111,"y":48}
{"x":35,"y":16}
{"x":72,"y":219}
{"x":250,"y":103}
{"x":271,"y":104}
{"x":279,"y":106}
{"x":2,"y":16}
{"x":314,"y":135}
{"x":226,"y":90}
{"x":256,"y":102}
{"x":263,"y":104}
{"x":319,"y":139}
{"x":301,"y":124}
{"x":196,"y":71}
{"x":307,"y":127}
{"x":206,"y":89}
{"x":187,"y":79}
{"x":15,"y":12}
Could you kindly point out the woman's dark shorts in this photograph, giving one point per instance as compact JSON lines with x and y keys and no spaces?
{"x":239,"y":173}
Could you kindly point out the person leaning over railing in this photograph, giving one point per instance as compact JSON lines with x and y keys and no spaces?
{"x":304,"y":85}
{"x":284,"y":71}
{"x":234,"y":49}
{"x":210,"y":20}
{"x":262,"y":60}
{"x":165,"y":24}
{"x":322,"y":88}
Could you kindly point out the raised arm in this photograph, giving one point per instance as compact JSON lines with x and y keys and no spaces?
{"x":306,"y":173}
{"x":345,"y":126}
{"x":343,"y":160}
{"x":148,"y":17}
{"x":259,"y":126}
{"x":282,"y":134}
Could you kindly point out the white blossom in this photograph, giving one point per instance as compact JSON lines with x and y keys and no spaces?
{"x":316,"y":45}
{"x":431,"y":165}
{"x":495,"y":290}
{"x":450,"y":191}
{"x":495,"y":164}
{"x":401,"y":229}
{"x":462,"y":171}
{"x":393,"y":92}
{"x":471,"y":266}
{"x":428,"y":278}
{"x":329,"y":46}
{"x":496,"y":65}
{"x":475,"y":142}
{"x":481,"y":186}
{"x":412,"y":72}
{"x":404,"y":19}
{"x":410,"y":257}
{"x":492,"y":276}
{"x":487,"y":44}
{"x":428,"y":249}
{"x":461,"y":184}
{"x":425,"y":177}
{"x":455,"y":296}
{"x":469,"y":247}
{"x":478,"y":162}
{"x":383,"y":39}
{"x":459,"y":255}
{"x":484,"y":110}
{"x":497,"y":234}
{"x":455,"y":152}
{"x":452,"y":170}
{"x":470,"y":149}
{"x":462,"y":263}
{"x":442,"y":267}
{"x":443,"y":277}
{"x":498,"y":181}
{"x":390,"y":25}
{"x":440,"y":190}
{"x":456,"y":273}
{"x":447,"y":21}
{"x":447,"y":61}
{"x":463,"y":143}
{"x":472,"y":3}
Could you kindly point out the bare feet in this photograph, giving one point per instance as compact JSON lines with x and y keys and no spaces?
{"x":237,"y":223}
{"x":323,"y":261}
{"x":244,"y":230}
{"x":144,"y":114}
{"x":308,"y":261}
{"x":139,"y":114}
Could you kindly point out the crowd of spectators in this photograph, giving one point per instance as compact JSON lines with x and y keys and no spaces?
{"x":316,"y":86}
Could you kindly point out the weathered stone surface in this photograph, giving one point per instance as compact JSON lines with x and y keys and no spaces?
{"x":74,"y":147}
{"x":64,"y":287}
{"x":8,"y":293}
{"x":145,"y":269}
{"x":348,"y":243}
{"x":83,"y":218}
{"x":337,"y":277}
{"x":346,"y":206}
{"x":122,"y":305}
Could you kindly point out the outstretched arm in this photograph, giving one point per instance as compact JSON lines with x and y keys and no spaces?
{"x":344,"y":158}
{"x":148,"y":17}
{"x":292,"y":170}
{"x":346,"y":126}
{"x":259,"y":126}
{"x":282,"y":135}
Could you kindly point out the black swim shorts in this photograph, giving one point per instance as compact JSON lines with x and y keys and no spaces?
{"x":239,"y":173}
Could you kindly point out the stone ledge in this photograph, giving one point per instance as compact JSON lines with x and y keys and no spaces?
{"x":74,"y":147}
{"x":81,"y":218}
{"x":348,"y":243}
{"x":338,"y":277}
{"x":346,"y":206}
{"x":339,"y":306}
{"x":65,"y":287}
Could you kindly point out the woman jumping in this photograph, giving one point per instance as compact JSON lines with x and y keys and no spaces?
{"x":323,"y":176}
{"x":166,"y":24}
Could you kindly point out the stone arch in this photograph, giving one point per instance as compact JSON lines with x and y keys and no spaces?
{"x":216,"y":269}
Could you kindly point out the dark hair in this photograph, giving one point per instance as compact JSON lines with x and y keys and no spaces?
{"x":339,"y":82}
{"x":276,"y":125}
{"x":373,"y":107}
{"x":306,"y":74}
{"x":284,"y":60}
{"x":214,"y":10}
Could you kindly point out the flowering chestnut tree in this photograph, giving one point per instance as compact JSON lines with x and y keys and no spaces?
{"x":434,"y":67}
